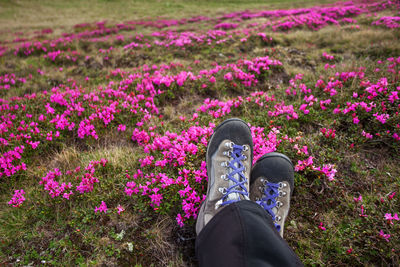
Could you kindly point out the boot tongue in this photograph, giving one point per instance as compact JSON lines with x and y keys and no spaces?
{"x":236,"y":196}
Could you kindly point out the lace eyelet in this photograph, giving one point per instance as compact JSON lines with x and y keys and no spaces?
{"x":245,"y":147}
{"x":222,"y":190}
{"x":227,"y":153}
{"x":229,"y":144}
{"x":282,"y":193}
{"x":278,"y":218}
{"x":224,"y":164}
{"x":224,"y":177}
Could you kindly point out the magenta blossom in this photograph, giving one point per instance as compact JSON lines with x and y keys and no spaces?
{"x":17,"y":199}
{"x":321,"y":226}
{"x":384,"y":236}
{"x":120,"y":209}
{"x":390,"y":218}
{"x":101,"y":208}
{"x":122,"y":127}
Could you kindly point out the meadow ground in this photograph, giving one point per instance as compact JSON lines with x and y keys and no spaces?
{"x":107,"y":106}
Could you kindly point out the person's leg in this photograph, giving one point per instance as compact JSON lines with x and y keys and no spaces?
{"x":243,"y":234}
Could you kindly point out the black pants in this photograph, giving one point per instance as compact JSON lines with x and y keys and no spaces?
{"x":242,"y":234}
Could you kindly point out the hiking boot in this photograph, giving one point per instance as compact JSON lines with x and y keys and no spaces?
{"x":229,"y":159}
{"x":271,"y":186}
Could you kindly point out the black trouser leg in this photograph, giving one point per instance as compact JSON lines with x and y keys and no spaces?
{"x":242,"y":234}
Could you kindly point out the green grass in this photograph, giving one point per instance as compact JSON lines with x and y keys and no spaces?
{"x":17,"y":14}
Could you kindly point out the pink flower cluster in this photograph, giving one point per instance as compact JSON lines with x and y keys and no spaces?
{"x":7,"y":164}
{"x":9,"y":80}
{"x":384,"y":236}
{"x":219,"y":30}
{"x":88,"y":179}
{"x":328,"y":133}
{"x":226,"y":26}
{"x":389,"y":22}
{"x":101,"y":208}
{"x":328,"y":56}
{"x":64,"y":189}
{"x":62,"y":56}
{"x":389,"y":218}
{"x":17,"y":199}
{"x":321,"y":226}
{"x":53,"y":187}
{"x":327,"y":169}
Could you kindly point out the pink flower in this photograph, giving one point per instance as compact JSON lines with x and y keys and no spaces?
{"x":362,"y":214}
{"x":121,"y":127}
{"x":42,"y":117}
{"x":228,"y":76}
{"x":120,"y":209}
{"x":384,"y":236}
{"x":381,"y":118}
{"x":17,"y":199}
{"x":359,"y":199}
{"x":367,"y":135}
{"x":49,"y":109}
{"x":303,"y":108}
{"x":391,"y":196}
{"x":327,"y":56}
{"x":101,"y":208}
{"x":34,"y":145}
{"x":156,"y":199}
{"x":329,"y":133}
{"x":320,"y":226}
{"x":390,"y":218}
{"x":302,"y":164}
{"x":179,"y":220}
{"x":131,"y":188}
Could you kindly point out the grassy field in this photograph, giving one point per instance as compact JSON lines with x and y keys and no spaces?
{"x":19,"y":15}
{"x":107,"y":106}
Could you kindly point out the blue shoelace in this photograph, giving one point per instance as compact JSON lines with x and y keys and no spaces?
{"x":268,"y":202}
{"x":237,"y":167}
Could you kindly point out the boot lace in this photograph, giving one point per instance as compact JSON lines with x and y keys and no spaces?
{"x":235,"y":174}
{"x":271,"y":191}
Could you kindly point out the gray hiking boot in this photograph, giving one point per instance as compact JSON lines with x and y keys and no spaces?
{"x":271,"y":186}
{"x":229,"y":159}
